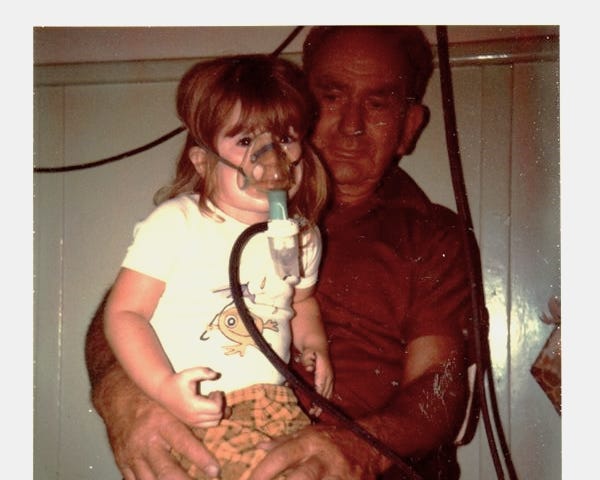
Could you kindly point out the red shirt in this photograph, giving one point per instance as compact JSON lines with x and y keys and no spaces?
{"x":393,"y":270}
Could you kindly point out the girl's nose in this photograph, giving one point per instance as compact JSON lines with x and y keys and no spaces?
{"x":270,"y":166}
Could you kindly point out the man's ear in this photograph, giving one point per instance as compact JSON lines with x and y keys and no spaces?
{"x":198,"y":156}
{"x":417,"y":118}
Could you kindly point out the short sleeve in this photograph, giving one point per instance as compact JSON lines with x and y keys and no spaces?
{"x":156,"y":242}
{"x":441,"y":302}
{"x":311,"y":250}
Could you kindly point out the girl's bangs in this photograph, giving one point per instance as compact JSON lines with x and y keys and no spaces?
{"x":275,"y":114}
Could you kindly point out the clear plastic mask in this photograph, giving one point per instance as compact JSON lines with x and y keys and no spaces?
{"x":270,"y":164}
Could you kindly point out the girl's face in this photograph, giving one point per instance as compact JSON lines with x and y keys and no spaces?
{"x":246,"y":203}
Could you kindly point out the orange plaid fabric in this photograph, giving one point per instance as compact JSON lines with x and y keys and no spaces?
{"x":259,"y":413}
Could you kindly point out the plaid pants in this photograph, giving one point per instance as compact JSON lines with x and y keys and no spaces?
{"x":259,"y":413}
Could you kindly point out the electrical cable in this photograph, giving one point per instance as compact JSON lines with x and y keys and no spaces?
{"x":287,"y":41}
{"x":154,"y":143}
{"x":292,"y":377}
{"x":97,"y":163}
{"x":482,"y":353}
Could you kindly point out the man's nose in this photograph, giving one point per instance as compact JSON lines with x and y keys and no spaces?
{"x":352,"y":120}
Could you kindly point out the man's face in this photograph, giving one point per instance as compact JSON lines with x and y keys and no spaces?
{"x":359,"y":83}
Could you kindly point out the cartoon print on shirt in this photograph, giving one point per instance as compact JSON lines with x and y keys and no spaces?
{"x":229,"y":322}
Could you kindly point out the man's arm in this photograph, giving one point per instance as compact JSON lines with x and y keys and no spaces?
{"x":99,"y":358}
{"x":141,"y":433}
{"x":426,"y":413}
{"x":431,"y":406}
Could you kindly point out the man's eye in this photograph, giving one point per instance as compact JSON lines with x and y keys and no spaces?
{"x":330,"y":96}
{"x":377,"y":103}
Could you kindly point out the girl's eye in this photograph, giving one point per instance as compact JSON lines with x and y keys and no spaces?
{"x":244,"y":142}
{"x":287,"y":139}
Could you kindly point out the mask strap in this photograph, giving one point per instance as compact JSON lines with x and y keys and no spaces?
{"x":224,"y":161}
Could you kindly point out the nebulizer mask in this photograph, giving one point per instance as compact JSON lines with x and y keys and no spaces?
{"x":272,"y":166}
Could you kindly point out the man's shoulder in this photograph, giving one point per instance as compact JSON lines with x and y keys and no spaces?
{"x":442,"y":216}
{"x":402,"y":195}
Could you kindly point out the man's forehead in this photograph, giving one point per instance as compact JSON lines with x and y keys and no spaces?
{"x":358,"y":76}
{"x":360,"y":58}
{"x":371,"y":86}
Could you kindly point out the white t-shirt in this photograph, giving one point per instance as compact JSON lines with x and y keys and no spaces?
{"x":196,"y":319}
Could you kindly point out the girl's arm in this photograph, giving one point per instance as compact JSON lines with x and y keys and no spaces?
{"x":309,"y":338}
{"x":141,"y":432}
{"x":129,"y":308}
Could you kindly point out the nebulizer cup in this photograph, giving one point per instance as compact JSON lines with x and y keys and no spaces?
{"x":282,"y":233}
{"x":273,"y":167}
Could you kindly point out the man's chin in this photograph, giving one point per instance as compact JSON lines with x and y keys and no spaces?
{"x":345,"y":173}
{"x":355,"y":171}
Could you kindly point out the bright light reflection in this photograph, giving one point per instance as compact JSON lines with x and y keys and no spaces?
{"x":498,"y":336}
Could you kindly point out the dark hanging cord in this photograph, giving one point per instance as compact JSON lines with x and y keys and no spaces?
{"x":473,"y":265}
{"x":97,"y":163}
{"x":292,"y":377}
{"x":154,"y":143}
{"x":287,"y":41}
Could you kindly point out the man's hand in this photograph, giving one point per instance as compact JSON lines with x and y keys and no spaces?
{"x":319,"y":453}
{"x":141,"y":432}
{"x":142,"y":439}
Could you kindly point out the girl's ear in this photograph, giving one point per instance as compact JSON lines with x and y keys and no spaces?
{"x":198,"y":156}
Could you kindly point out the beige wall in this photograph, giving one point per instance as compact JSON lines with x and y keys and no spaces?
{"x":507,"y":111}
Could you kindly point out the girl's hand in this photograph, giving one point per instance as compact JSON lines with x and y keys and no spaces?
{"x":181,"y":394}
{"x":318,"y":362}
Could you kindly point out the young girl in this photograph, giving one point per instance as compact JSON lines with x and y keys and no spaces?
{"x":170,"y":317}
